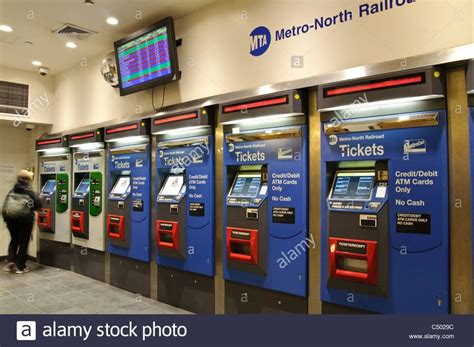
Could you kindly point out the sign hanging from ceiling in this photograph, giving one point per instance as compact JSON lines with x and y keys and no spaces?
{"x":261,"y":37}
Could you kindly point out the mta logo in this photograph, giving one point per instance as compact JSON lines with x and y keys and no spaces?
{"x":260,"y":39}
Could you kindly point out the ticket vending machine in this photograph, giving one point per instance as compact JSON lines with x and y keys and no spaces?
{"x":184,"y":208}
{"x":87,"y":204}
{"x":266,"y":241}
{"x":385,"y":220}
{"x":128,"y":205}
{"x":54,"y":161}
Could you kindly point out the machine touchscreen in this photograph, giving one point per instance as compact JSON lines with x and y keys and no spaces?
{"x":122,"y":186}
{"x":83,"y":186}
{"x":353,"y":185}
{"x":49,"y":187}
{"x":246,"y":185}
{"x":172,"y":186}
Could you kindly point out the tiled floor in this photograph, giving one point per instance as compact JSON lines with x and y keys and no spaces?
{"x":50,"y":290}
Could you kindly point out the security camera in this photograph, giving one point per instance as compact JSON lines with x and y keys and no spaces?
{"x":29,"y":127}
{"x":43,"y":71}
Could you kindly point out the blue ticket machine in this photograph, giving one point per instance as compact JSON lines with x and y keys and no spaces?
{"x":128,"y":205}
{"x":266,"y":239}
{"x":184,"y":208}
{"x":54,"y":161}
{"x":385,"y":216}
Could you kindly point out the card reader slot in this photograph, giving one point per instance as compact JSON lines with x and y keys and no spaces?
{"x":353,"y":260}
{"x":116,"y":227}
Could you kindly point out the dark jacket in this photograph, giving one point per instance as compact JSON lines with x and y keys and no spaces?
{"x":24,"y":188}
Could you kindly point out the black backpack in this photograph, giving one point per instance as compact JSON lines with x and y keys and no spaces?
{"x":17,"y":206}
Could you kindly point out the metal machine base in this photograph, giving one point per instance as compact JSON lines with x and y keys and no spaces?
{"x":55,"y":254}
{"x":187,"y":290}
{"x":130,"y":274}
{"x":89,"y":262}
{"x":328,"y":308}
{"x":241,"y":298}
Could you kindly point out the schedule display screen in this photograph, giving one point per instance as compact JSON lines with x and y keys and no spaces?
{"x":246,"y":185}
{"x":353,"y":185}
{"x":147,"y":58}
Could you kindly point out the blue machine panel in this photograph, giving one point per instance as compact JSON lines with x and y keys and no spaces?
{"x":286,"y":194}
{"x":417,"y":193}
{"x":193,"y":164}
{"x":136,"y":165}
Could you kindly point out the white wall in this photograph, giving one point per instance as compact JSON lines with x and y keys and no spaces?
{"x":41,"y":94}
{"x":215,"y":59}
{"x":16,"y":153}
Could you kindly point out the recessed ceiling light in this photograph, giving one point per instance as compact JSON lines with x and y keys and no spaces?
{"x":36,"y":63}
{"x":28,"y":43}
{"x":6,"y":28}
{"x":70,"y":44}
{"x":112,"y":21}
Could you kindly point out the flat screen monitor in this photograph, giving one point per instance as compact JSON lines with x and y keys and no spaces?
{"x":246,"y":185}
{"x":121,"y":186}
{"x":83,"y":186}
{"x":172,"y":186}
{"x":49,"y":186}
{"x":147,"y":58}
{"x":353,"y":185}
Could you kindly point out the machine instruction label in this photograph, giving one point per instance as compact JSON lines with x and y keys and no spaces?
{"x":414,"y":223}
{"x":285,"y":215}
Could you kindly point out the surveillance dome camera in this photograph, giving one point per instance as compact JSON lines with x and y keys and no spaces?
{"x":29,"y":127}
{"x":43,"y":71}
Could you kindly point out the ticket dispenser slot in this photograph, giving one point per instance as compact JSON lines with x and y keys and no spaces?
{"x":242,"y":245}
{"x":116,"y":227}
{"x":47,"y":212}
{"x":171,"y":214}
{"x":119,"y":206}
{"x":77,"y":221}
{"x":358,"y":252}
{"x":80,"y":206}
{"x":246,"y":231}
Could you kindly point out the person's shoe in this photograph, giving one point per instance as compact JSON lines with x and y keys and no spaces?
{"x":9,"y":267}
{"x":24,"y":271}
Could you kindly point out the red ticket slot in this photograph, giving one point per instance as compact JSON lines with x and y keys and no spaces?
{"x":116,"y":227}
{"x":242,"y":245}
{"x":44,"y":218}
{"x":167,"y":234}
{"x":353,"y":260}
{"x":77,"y":222}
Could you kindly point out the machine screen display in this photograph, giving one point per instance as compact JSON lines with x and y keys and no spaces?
{"x":353,"y":185}
{"x":246,"y":185}
{"x":83,"y":186}
{"x":173,"y":185}
{"x":122,"y":185}
{"x":49,"y":186}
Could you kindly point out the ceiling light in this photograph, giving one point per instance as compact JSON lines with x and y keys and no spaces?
{"x":70,"y":44}
{"x":36,"y":63}
{"x":112,"y":21}
{"x":6,"y":28}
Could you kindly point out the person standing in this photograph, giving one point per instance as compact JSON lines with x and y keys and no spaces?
{"x":18,"y":213}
